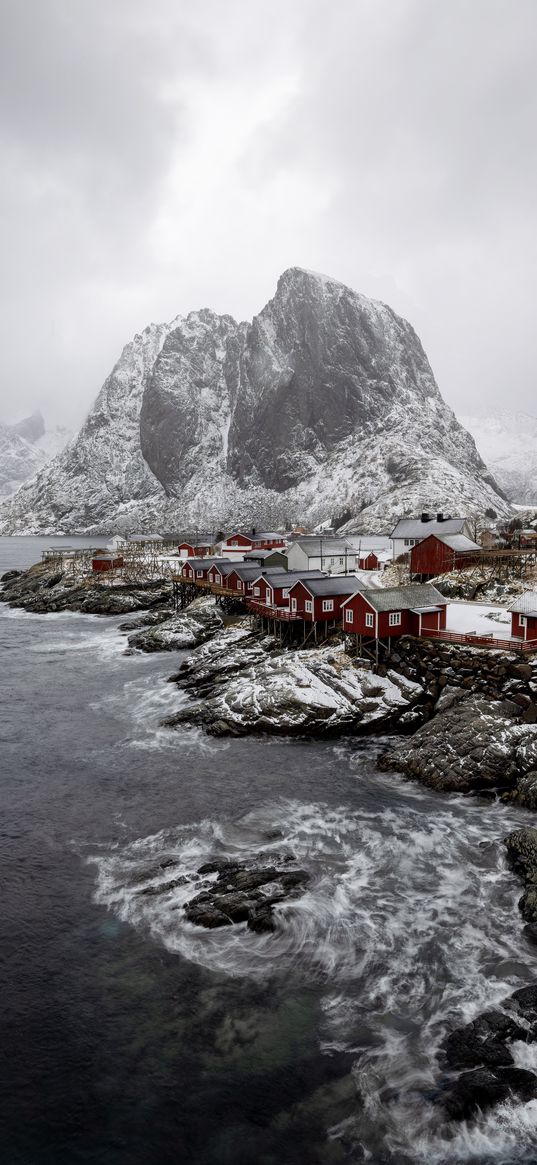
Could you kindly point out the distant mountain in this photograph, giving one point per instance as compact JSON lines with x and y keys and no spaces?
{"x":507,"y":443}
{"x":25,"y":448}
{"x":325,"y":406}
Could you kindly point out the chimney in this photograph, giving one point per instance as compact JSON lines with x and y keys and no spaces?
{"x":253,"y":531}
{"x":440,"y":517}
{"x":425,"y":518}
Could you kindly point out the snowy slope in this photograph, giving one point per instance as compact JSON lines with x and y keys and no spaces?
{"x":24,"y":449}
{"x":507,"y":443}
{"x":324,"y":406}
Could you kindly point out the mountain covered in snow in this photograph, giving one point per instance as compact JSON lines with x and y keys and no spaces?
{"x":324,"y":406}
{"x":25,"y":448}
{"x":508,"y":444}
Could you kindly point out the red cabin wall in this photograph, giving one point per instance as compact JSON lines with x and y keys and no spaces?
{"x":371,"y":562}
{"x":431,"y":557}
{"x":100,"y":564}
{"x":518,"y":631}
{"x":240,"y":540}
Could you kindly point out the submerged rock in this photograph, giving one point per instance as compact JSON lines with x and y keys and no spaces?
{"x":485,"y":1046}
{"x":187,"y":628}
{"x":474,"y":744}
{"x":319,"y":692}
{"x":244,"y":894}
{"x":522,"y":856}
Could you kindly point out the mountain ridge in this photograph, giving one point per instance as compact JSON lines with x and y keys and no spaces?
{"x":324,"y":404}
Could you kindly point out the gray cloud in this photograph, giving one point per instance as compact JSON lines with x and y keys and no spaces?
{"x":162,"y":156}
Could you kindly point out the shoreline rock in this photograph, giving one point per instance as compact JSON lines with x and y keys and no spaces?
{"x":42,"y":590}
{"x":316,"y":692}
{"x":245,"y":892}
{"x":189,"y":628}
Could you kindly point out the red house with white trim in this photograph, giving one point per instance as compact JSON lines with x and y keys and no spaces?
{"x":392,"y":611}
{"x":198,"y":549}
{"x":197,"y":569}
{"x":524,"y":616}
{"x":236,"y":544}
{"x":319,"y":600}
{"x":103,"y":562}
{"x":272,"y":590}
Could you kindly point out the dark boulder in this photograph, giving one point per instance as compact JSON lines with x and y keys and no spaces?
{"x":484,"y":1088}
{"x":242,"y":893}
{"x":483,"y":1042}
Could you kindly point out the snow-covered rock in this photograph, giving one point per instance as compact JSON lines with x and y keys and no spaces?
{"x":318,"y":692}
{"x":201,"y":620}
{"x":325,"y":406}
{"x":507,"y":443}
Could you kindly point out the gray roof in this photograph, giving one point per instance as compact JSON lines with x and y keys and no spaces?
{"x":335,"y":584}
{"x":458,"y":542}
{"x":415,"y":528}
{"x":208,"y":560}
{"x":252,"y":570}
{"x":526,"y":604}
{"x":404,"y":598}
{"x":313,"y":547}
{"x":289,"y":576}
{"x":368,"y":542}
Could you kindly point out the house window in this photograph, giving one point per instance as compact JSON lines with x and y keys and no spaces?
{"x":328,"y":604}
{"x":239,"y":585}
{"x":293,"y":604}
{"x":395,"y":619}
{"x":285,"y":593}
{"x":199,"y":574}
{"x":369,"y":619}
{"x":308,"y":606}
{"x":348,"y":615}
{"x":234,"y":543}
{"x":256,"y":590}
{"x":523,"y":620}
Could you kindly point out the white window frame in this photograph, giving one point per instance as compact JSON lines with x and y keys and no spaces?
{"x":293,"y":604}
{"x":394,"y":619}
{"x":349,"y":615}
{"x":257,"y":591}
{"x":285,"y":593}
{"x":523,"y":620}
{"x":328,"y":604}
{"x":199,"y":574}
{"x":308,"y":606}
{"x":369,"y":619}
{"x":239,"y":585}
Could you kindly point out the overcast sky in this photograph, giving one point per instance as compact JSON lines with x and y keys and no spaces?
{"x":162,"y":155}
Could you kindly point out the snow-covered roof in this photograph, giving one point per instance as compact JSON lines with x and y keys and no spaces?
{"x":366,"y":542}
{"x":458,"y":542}
{"x":208,"y":560}
{"x":526,"y":604}
{"x":251,"y":570}
{"x":313,"y":546}
{"x":342,"y":584}
{"x":404,"y":598}
{"x":250,"y":554}
{"x":290,"y":576}
{"x":417,"y":528}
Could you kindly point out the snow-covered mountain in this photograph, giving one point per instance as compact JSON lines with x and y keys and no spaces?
{"x":25,"y":448}
{"x":325,"y":406}
{"x":507,"y":442}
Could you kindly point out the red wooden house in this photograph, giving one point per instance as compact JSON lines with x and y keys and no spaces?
{"x":103,"y":562}
{"x":198,"y":549}
{"x":442,"y":553}
{"x":241,"y":579}
{"x":368,"y":561}
{"x":242,"y":542}
{"x":197,"y":569}
{"x":272,"y":589}
{"x":524,"y":616}
{"x":218,"y":573}
{"x":320,"y":599}
{"x":388,"y":611}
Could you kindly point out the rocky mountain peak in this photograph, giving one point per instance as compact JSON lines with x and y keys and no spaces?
{"x":324,"y":404}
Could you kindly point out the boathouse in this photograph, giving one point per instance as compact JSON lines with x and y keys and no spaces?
{"x":320,"y":599}
{"x":201,"y":548}
{"x":104,"y":562}
{"x":272,"y":589}
{"x":524,"y":616}
{"x":441,"y":553}
{"x":386,"y":612}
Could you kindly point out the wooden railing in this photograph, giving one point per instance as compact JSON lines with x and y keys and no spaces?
{"x":279,"y":613}
{"x":472,"y":639}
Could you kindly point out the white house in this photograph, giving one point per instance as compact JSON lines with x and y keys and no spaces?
{"x":333,"y":555}
{"x":409,"y":531}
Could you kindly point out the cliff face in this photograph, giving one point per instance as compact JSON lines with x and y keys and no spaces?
{"x":508,"y":442}
{"x":325,"y":403}
{"x":25,"y":448}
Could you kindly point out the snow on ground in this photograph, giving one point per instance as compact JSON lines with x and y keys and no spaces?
{"x":482,"y":618}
